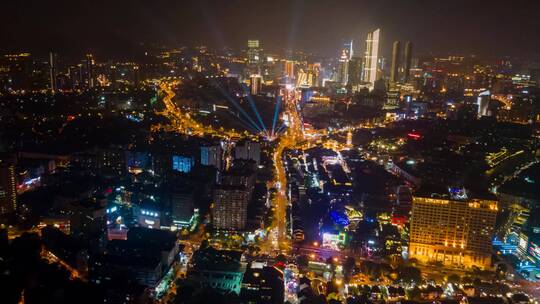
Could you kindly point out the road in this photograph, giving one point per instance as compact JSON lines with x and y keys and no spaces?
{"x":182,"y":121}
{"x":290,"y":139}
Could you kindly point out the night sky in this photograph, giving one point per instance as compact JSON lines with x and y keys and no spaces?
{"x":117,"y":27}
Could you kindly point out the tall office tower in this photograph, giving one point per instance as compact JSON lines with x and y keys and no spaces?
{"x":453,"y":229}
{"x":289,"y":69}
{"x":343,"y":68}
{"x":112,"y":77}
{"x":407,"y":62}
{"x":212,"y":156}
{"x":8,"y":186}
{"x":136,"y":76}
{"x":249,"y":150}
{"x":315,"y":70}
{"x":53,"y":67}
{"x":253,"y":52}
{"x":535,"y":77}
{"x":371,"y":60}
{"x":483,"y":100}
{"x":396,"y":62}
{"x":89,"y":64}
{"x":255,"y":84}
{"x":75,"y":74}
{"x":355,"y":71}
{"x":348,"y":49}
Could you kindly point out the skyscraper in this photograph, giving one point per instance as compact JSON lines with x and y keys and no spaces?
{"x":348,"y":49}
{"x":289,"y":69}
{"x":231,"y":197}
{"x":355,"y":71}
{"x":407,"y":62}
{"x":396,"y":62}
{"x":76,"y":76}
{"x":253,"y":52}
{"x":89,"y":71}
{"x":342,"y":74}
{"x":53,"y":84}
{"x":401,"y":62}
{"x":8,"y":186}
{"x":453,"y":229}
{"x":255,"y":84}
{"x":483,"y":100}
{"x":371,"y":59}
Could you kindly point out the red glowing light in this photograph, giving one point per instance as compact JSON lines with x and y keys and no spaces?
{"x":414,"y":135}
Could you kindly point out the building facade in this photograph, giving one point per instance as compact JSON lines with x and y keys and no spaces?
{"x":453,"y":231}
{"x":8,"y":186}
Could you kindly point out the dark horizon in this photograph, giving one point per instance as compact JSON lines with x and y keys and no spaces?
{"x":117,"y":28}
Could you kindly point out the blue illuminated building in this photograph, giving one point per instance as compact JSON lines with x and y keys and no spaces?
{"x":182,"y":163}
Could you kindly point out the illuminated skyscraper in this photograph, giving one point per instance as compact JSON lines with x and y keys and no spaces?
{"x":348,"y":49}
{"x":452,"y":229}
{"x":89,"y":71}
{"x":289,"y":69}
{"x":255,"y":84}
{"x":8,"y":186}
{"x":371,"y":59}
{"x":342,"y":74}
{"x":253,"y":52}
{"x":315,"y":70}
{"x":53,"y":62}
{"x":483,"y":103}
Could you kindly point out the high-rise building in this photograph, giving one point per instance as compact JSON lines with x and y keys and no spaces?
{"x":355,"y":71}
{"x":483,"y":100}
{"x":253,"y":52}
{"x":315,"y":70}
{"x":343,"y":68}
{"x":396,"y":62}
{"x":8,"y":186}
{"x":289,"y":69}
{"x":182,"y":205}
{"x":453,"y":229}
{"x":89,"y":65}
{"x":255,"y":84}
{"x":212,"y":156}
{"x":371,"y":59}
{"x":249,"y":150}
{"x":348,"y":49}
{"x":53,"y":66}
{"x":401,"y":62}
{"x":535,"y":77}
{"x":75,"y":74}
{"x":229,"y":211}
{"x":112,"y":77}
{"x":182,"y":163}
{"x":232,"y":196}
{"x":407,"y":62}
